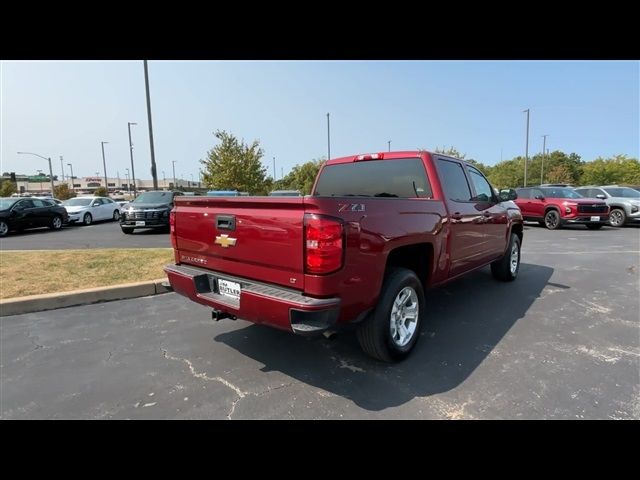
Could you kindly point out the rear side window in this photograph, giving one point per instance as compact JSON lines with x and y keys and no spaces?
{"x":454,"y":181}
{"x":39,"y":203}
{"x":404,"y":178}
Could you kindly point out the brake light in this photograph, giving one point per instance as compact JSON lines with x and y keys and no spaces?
{"x":172,"y":228}
{"x":371,"y":156}
{"x":323,"y":244}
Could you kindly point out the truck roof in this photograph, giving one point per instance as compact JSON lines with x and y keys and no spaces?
{"x":388,"y":156}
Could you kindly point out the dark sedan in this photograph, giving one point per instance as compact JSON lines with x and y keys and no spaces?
{"x":22,"y":213}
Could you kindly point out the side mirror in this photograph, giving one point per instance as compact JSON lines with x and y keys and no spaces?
{"x":506,"y":195}
{"x":601,"y":196}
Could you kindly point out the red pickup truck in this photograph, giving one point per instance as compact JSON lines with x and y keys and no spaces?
{"x":376,"y":231}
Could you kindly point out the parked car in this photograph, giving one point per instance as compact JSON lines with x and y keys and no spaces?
{"x":22,"y":213}
{"x":285,"y":193}
{"x":376,"y":231}
{"x":553,"y":207}
{"x":624,"y":202}
{"x":90,"y":209}
{"x":148,"y":210}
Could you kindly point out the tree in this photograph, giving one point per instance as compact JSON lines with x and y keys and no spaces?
{"x":451,"y":152}
{"x":234,"y":165}
{"x":7,"y":188}
{"x":560,"y":174}
{"x":615,"y":170}
{"x":101,"y":192}
{"x":301,"y":177}
{"x":63,"y":192}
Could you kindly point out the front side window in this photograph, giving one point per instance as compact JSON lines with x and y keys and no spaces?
{"x":484,"y":192}
{"x":624,"y":192}
{"x":401,"y":178}
{"x":454,"y":181}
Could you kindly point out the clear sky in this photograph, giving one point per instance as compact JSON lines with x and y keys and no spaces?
{"x":67,"y":108}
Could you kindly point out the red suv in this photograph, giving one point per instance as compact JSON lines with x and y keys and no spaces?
{"x":553,"y":207}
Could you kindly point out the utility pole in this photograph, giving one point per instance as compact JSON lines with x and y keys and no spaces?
{"x":50,"y":169}
{"x":174,"y":174}
{"x":281,"y":172}
{"x":389,"y":145}
{"x":119,"y":185}
{"x":128,"y":186}
{"x":328,"y":139}
{"x":544,"y":144}
{"x":526,"y":154}
{"x":104,"y":164}
{"x":153,"y":157}
{"x":133,"y":172}
{"x":164,"y":180}
{"x":62,"y":167}
{"x":73,"y":188}
{"x":274,"y":169}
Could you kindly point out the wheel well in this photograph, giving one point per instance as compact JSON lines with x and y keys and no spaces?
{"x":417,"y":257}
{"x":551,"y":207}
{"x":517,"y":229}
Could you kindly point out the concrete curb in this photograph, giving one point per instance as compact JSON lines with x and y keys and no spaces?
{"x":52,"y":301}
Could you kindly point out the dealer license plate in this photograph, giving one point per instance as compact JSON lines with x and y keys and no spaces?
{"x":595,"y":219}
{"x":140,"y":224}
{"x":229,"y":289}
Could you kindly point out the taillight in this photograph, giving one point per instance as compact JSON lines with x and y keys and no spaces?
{"x":172,"y":229}
{"x":323,"y":244}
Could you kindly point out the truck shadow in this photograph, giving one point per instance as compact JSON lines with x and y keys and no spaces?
{"x":466,"y":321}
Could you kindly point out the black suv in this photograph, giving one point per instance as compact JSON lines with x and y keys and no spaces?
{"x":148,"y":210}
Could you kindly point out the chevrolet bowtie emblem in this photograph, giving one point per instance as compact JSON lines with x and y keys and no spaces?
{"x":225,"y":241}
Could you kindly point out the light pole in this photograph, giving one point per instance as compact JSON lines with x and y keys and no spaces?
{"x":133,"y":172}
{"x":274,"y":169}
{"x":40,"y":175}
{"x":544,"y":144}
{"x":104,"y":164}
{"x":50,"y":170}
{"x":389,"y":144}
{"x":62,"y":167}
{"x":174,"y":174}
{"x":72,"y":186}
{"x":153,"y":157}
{"x":328,"y":138}
{"x":164,"y":180}
{"x":192,"y":182}
{"x":128,"y":186}
{"x":526,"y":154}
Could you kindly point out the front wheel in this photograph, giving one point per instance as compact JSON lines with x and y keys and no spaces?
{"x":116,"y":215}
{"x":506,"y":269}
{"x":617,"y":217}
{"x":393,"y":328}
{"x":87,"y":219}
{"x":552,"y":220}
{"x":56,"y":223}
{"x":126,"y":230}
{"x":4,"y":228}
{"x":594,"y":226}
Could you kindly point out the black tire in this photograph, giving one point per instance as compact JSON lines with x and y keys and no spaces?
{"x":116,"y":215}
{"x":56,"y":223}
{"x":617,"y":217}
{"x":126,"y":230}
{"x":374,"y":334}
{"x":541,"y":223}
{"x":503,"y":269}
{"x":594,"y":226}
{"x":552,"y":219}
{"x":4,"y":228}
{"x":87,"y":219}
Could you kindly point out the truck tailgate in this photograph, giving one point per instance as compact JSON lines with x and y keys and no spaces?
{"x":254,"y":237}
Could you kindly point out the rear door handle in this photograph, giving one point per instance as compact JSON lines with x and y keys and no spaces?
{"x":487,"y":214}
{"x":456,"y":216}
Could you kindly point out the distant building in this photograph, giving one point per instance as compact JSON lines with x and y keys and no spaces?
{"x":87,"y":185}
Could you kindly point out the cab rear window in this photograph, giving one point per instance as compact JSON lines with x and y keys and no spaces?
{"x":402,"y":178}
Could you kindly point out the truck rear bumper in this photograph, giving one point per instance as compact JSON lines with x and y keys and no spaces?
{"x":258,"y":302}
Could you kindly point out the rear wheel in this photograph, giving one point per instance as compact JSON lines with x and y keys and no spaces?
{"x":4,"y":228}
{"x":126,"y":230}
{"x":552,"y":220}
{"x":393,"y":328}
{"x":56,"y":223}
{"x":506,"y":269}
{"x":594,"y":226}
{"x":87,"y":219}
{"x":617,"y":217}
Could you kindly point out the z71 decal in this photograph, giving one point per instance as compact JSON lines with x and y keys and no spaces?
{"x":351,"y":207}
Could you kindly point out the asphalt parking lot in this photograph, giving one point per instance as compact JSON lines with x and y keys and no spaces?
{"x":561,"y":342}
{"x":98,"y":235}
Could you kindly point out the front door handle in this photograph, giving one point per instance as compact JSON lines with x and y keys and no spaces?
{"x":456,"y":216}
